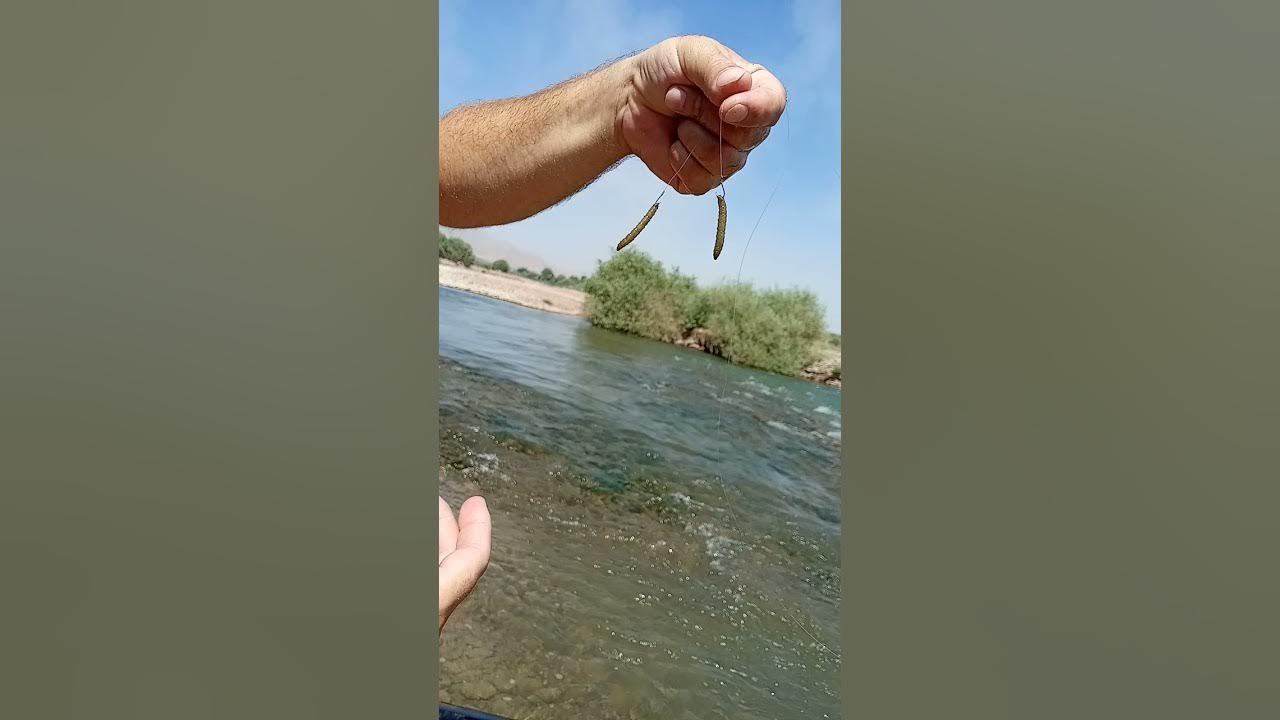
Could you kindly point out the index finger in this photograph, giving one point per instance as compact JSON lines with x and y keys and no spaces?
{"x":761,"y":106}
{"x":474,"y":528}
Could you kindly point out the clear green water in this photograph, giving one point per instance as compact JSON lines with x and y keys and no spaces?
{"x":657,"y":553}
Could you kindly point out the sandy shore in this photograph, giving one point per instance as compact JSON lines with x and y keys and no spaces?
{"x":512,"y":288}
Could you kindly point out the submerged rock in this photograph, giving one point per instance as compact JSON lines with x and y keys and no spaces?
{"x":548,"y":694}
{"x":479,"y":689}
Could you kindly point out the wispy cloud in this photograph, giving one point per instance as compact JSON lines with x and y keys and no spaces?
{"x":812,"y":69}
{"x":455,"y":65}
{"x":601,"y":30}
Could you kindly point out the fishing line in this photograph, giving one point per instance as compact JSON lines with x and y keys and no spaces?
{"x":653,"y":209}
{"x":733,"y":310}
{"x":735,"y":290}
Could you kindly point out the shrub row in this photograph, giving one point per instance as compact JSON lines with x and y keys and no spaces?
{"x":775,"y":329}
{"x":460,"y":251}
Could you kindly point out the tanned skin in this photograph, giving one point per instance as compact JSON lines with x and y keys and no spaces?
{"x":507,"y":160}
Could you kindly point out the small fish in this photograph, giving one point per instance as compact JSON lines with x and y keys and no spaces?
{"x":720,"y":223}
{"x":643,"y":221}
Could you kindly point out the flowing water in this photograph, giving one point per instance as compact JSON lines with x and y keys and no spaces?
{"x":645,"y":565}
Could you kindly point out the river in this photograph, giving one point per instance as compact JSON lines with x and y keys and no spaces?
{"x":666,"y":525}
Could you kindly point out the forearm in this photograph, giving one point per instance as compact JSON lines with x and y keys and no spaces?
{"x":507,"y":160}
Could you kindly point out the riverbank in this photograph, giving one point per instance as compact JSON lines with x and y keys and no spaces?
{"x":566,"y":301}
{"x":512,"y":289}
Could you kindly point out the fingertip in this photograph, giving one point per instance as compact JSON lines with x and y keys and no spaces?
{"x":731,"y":77}
{"x":745,"y":115}
{"x":678,"y":99}
{"x":750,"y":109}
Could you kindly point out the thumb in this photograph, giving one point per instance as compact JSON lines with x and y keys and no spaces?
{"x":708,"y":65}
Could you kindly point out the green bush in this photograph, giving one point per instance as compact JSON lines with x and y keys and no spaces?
{"x":774,"y":330}
{"x":456,"y":250}
{"x":571,"y":281}
{"x":500,"y":266}
{"x":633,"y":293}
{"x":547,"y":276}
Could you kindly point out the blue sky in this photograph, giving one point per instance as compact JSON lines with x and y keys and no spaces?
{"x":499,"y":49}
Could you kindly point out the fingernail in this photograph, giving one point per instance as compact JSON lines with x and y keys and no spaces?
{"x":677,"y":98}
{"x":729,"y":75}
{"x":737,"y":113}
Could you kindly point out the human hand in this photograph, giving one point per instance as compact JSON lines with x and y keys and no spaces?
{"x":680,"y":92}
{"x":464,"y":552}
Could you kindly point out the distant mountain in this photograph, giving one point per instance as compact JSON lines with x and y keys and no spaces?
{"x":488,"y":248}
